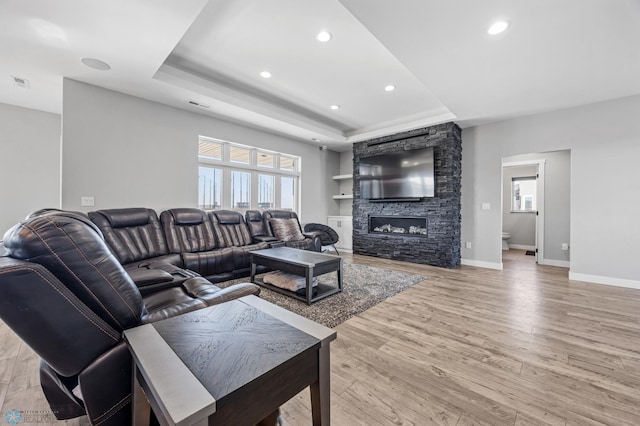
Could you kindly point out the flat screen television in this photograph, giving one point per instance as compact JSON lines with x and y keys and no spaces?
{"x":402,"y":175}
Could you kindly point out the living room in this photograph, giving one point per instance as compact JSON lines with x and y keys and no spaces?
{"x":128,"y":151}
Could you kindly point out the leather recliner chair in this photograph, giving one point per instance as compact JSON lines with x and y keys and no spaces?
{"x":230,"y":227}
{"x":67,"y":296}
{"x":310,"y":242}
{"x":190,"y":233}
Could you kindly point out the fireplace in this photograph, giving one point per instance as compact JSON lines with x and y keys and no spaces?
{"x":435,"y":220}
{"x":398,"y":225}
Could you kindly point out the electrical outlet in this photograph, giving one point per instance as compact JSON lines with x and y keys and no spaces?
{"x":486,"y":206}
{"x":565,"y":246}
{"x":468,"y":244}
{"x":87,"y":201}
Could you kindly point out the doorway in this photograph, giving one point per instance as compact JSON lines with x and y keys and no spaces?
{"x":523,"y":209}
{"x":552,"y":204}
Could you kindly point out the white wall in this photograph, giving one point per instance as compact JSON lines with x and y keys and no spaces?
{"x":346,"y":186}
{"x":604,"y":140}
{"x":30,"y":161}
{"x":521,"y":225}
{"x":127,"y":151}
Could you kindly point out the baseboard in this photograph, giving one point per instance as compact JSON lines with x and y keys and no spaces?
{"x":597,"y":279}
{"x":481,"y":264}
{"x":521,"y":247}
{"x":553,"y":262}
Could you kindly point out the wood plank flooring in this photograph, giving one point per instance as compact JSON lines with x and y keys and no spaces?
{"x":470,"y":346}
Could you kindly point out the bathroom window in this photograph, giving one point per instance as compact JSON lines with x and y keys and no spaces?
{"x":523,"y":194}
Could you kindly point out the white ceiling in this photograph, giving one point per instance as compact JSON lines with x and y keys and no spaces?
{"x":555,"y":54}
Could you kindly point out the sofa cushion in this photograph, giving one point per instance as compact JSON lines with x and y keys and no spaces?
{"x":210,"y":262}
{"x":189,"y":231}
{"x":231,"y":228}
{"x":286,"y":229}
{"x":133,"y":234}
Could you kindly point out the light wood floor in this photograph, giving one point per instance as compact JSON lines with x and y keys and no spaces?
{"x":470,"y":346}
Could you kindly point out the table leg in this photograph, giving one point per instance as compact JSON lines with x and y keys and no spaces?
{"x":309,"y":284}
{"x":141,"y":408}
{"x":253,"y":272}
{"x":340,"y":275}
{"x":320,"y":390}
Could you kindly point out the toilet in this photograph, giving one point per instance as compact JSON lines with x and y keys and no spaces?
{"x":505,"y":238}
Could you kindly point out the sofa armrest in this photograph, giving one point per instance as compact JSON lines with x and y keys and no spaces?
{"x":144,"y":277}
{"x":312,"y":234}
{"x":315,"y":236}
{"x":213,"y":295}
{"x":264,"y":239}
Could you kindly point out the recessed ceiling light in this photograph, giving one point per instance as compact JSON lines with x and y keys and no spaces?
{"x":390,"y":88}
{"x":96,"y":64}
{"x":323,"y":36}
{"x":265,"y":74}
{"x":334,"y":107}
{"x":498,"y":27}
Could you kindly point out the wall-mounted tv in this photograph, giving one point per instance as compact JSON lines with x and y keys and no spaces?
{"x":397,"y":175}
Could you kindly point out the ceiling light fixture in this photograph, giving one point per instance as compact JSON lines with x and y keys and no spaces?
{"x":265,"y":74}
{"x":498,"y":27}
{"x":323,"y":36}
{"x":390,"y":88}
{"x":335,"y":107}
{"x":96,"y":64}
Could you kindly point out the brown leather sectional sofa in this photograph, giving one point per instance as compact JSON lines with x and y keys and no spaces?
{"x":69,"y":286}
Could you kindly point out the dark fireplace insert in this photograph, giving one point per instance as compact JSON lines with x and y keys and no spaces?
{"x":398,"y":225}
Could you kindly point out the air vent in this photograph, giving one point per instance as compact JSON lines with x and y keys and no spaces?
{"x":20,"y":82}
{"x":194,"y":103}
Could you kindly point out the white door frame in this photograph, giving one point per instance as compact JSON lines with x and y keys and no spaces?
{"x":539,"y":202}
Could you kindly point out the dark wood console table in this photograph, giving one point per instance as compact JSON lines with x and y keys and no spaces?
{"x":233,"y":363}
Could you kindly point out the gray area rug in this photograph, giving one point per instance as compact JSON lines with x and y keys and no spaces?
{"x":363,"y":287}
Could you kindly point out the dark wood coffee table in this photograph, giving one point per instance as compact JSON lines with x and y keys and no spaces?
{"x":305,"y":263}
{"x":229,"y":364}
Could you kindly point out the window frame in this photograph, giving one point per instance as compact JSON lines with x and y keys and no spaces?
{"x":227,"y":166}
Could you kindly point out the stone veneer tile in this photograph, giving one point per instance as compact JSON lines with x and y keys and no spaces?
{"x":442,"y":246}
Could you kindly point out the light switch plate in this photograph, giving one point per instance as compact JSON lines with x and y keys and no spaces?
{"x":87,"y":201}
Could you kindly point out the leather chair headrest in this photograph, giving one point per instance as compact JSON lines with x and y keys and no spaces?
{"x":125,"y":218}
{"x":227,"y":217}
{"x":253,"y":216}
{"x":188,"y":216}
{"x":280,"y":214}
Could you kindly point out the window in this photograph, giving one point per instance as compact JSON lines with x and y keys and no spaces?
{"x":266,"y":159}
{"x":210,"y":150}
{"x":240,"y":177}
{"x":523,"y":194}
{"x":239,"y":154}
{"x":210,"y":188}
{"x":287,"y":163}
{"x":266,"y":191}
{"x":287,"y":193}
{"x":240,"y":190}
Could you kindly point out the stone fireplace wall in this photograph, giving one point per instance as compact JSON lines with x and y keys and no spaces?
{"x":441,"y":247}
